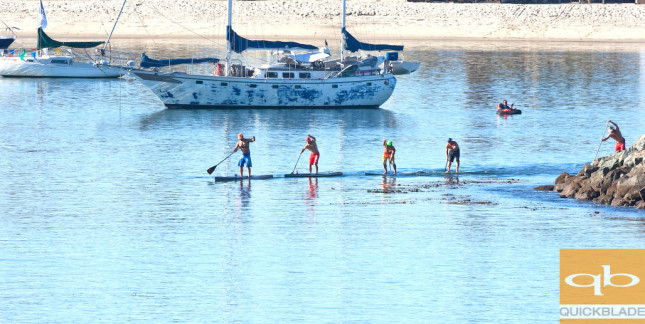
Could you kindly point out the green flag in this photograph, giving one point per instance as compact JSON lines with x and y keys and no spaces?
{"x":22,"y":55}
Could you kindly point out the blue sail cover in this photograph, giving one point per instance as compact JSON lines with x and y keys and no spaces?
{"x":147,"y":62}
{"x":239,"y":44}
{"x":354,"y":45}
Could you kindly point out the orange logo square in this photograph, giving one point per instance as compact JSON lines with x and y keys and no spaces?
{"x":602,"y":284}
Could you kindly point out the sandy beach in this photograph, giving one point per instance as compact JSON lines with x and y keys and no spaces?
{"x":371,"y":20}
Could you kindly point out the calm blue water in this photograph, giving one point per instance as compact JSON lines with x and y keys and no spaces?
{"x":107,"y":213}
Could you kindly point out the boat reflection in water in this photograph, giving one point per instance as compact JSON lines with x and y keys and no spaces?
{"x":235,"y":120}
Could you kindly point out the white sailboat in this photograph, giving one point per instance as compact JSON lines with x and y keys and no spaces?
{"x":305,"y":81}
{"x":400,"y":67}
{"x":43,"y":64}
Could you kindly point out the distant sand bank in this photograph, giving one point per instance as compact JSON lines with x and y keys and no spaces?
{"x":370,"y":20}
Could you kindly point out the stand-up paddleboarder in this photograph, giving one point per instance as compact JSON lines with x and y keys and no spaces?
{"x":315,"y":154}
{"x":243,"y":145}
{"x":615,"y":134}
{"x":388,"y":155}
{"x":452,"y":153}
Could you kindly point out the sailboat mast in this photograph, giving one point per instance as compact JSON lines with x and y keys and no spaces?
{"x":113,"y":27}
{"x":342,"y":37}
{"x":228,"y":43}
{"x":9,"y":28}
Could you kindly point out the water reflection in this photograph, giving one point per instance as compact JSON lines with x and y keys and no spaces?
{"x":524,"y":77}
{"x":245,"y":194}
{"x":313,"y":190}
{"x":276,"y":118}
{"x":389,"y":184}
{"x":451,"y":179}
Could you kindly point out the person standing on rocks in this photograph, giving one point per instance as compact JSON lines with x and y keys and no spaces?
{"x":452,"y":153}
{"x":615,"y":134}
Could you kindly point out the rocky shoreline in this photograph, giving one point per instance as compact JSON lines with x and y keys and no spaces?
{"x":616,"y":180}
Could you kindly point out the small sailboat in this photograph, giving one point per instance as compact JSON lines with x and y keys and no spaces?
{"x":390,"y":62}
{"x":296,"y":81}
{"x":42,"y":63}
{"x":401,"y":67}
{"x":5,"y":41}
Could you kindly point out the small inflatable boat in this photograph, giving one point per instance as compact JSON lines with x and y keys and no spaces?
{"x":509,"y":112}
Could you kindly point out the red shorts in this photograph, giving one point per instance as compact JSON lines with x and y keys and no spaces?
{"x":619,"y":147}
{"x":313,"y":158}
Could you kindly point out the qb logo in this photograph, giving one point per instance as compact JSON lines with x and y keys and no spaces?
{"x":614,"y":275}
{"x":601,"y":280}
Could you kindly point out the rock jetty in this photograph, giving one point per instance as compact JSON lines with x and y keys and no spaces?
{"x":617,"y":180}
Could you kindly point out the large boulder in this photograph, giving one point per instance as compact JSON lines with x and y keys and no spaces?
{"x":587,"y":170}
{"x":628,"y":187}
{"x":586,"y":192}
{"x":604,"y":199}
{"x":561,"y":181}
{"x":570,"y":189}
{"x":597,"y":177}
{"x":611,"y":177}
{"x":639,"y":145}
{"x":640,"y":204}
{"x":611,"y":163}
{"x":639,"y":169}
{"x":633,"y":159}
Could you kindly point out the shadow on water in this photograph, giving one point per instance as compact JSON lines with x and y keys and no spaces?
{"x":275,"y":118}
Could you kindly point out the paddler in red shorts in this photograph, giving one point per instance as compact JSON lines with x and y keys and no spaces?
{"x":388,"y":155}
{"x":615,"y":134}
{"x":315,"y":155}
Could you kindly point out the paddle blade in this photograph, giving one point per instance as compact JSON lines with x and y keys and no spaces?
{"x":211,"y":169}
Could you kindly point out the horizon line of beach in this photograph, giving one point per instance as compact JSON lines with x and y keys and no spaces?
{"x":370,"y":20}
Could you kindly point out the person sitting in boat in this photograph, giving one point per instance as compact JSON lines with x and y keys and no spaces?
{"x":504,"y":105}
{"x":388,"y":155}
{"x":315,"y":154}
{"x":617,"y":135}
{"x":243,"y":145}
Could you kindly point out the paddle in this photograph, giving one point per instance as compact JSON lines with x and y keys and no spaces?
{"x":603,"y":136}
{"x":295,"y":166}
{"x":211,"y":169}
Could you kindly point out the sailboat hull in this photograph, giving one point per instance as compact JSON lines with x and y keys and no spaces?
{"x":6,"y":42}
{"x":15,"y":67}
{"x":180,"y":90}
